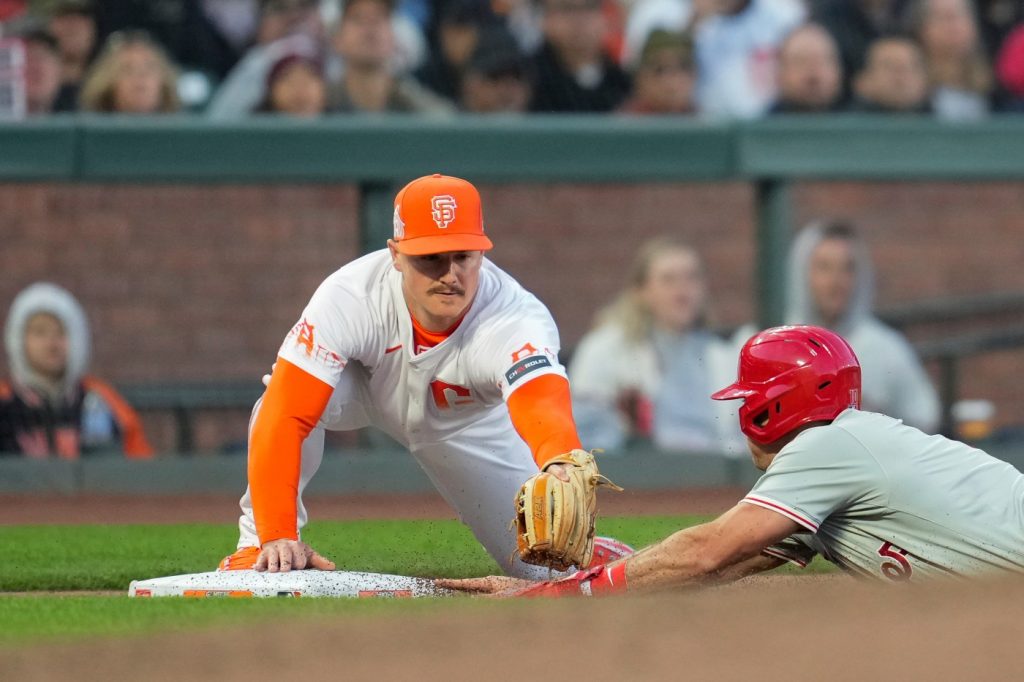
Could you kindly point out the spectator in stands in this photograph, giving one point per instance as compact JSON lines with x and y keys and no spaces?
{"x":831,"y":284}
{"x":42,"y":72}
{"x":735,"y":44}
{"x":1011,"y":69}
{"x":235,"y":21}
{"x":132,"y":75}
{"x":647,"y":369}
{"x":998,"y":19}
{"x":496,"y":80}
{"x":664,"y":80}
{"x":50,"y":406}
{"x":459,"y":26}
{"x":182,"y":28}
{"x":73,"y":24}
{"x":959,"y":73}
{"x":284,"y":28}
{"x":572,"y":69}
{"x":296,"y":87}
{"x":281,"y":18}
{"x":810,"y":75}
{"x":855,"y":25}
{"x":894,"y":79}
{"x":365,"y":41}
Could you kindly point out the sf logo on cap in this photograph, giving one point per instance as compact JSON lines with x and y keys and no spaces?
{"x":443,"y":210}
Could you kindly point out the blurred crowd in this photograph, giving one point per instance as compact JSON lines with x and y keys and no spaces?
{"x":719,"y":59}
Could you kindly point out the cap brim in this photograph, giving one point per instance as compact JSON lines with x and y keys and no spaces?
{"x":732,"y":392}
{"x":423,"y":246}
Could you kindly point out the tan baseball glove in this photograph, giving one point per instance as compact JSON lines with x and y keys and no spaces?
{"x":555,"y":519}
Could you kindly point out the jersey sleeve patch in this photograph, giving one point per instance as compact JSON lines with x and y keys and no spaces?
{"x":525,"y":367}
{"x":804,"y":520}
{"x":305,"y":347}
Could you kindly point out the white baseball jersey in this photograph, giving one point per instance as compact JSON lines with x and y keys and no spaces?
{"x":882,"y":499}
{"x":446,"y":404}
{"x":359,"y":315}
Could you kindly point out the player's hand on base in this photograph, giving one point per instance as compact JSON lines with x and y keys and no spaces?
{"x":489,"y":586}
{"x":281,"y":556}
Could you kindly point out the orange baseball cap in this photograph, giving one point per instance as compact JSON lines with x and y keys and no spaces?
{"x":439,"y":213}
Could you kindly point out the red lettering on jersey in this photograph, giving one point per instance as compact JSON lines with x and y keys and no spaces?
{"x":305,"y":337}
{"x":523,"y":352}
{"x":448,"y":395}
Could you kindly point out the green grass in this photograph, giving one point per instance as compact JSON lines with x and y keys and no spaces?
{"x":92,"y":557}
{"x":62,"y":558}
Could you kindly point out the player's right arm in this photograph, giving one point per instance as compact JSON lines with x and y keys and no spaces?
{"x":722,"y":550}
{"x":335,"y":327}
{"x":291,"y":407}
{"x":727,"y":548}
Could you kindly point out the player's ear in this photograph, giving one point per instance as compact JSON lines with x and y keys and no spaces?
{"x":393,"y":249}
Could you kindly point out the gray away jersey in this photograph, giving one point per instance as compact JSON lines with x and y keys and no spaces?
{"x":882,"y":499}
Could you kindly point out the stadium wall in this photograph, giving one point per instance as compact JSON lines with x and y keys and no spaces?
{"x":189,"y":278}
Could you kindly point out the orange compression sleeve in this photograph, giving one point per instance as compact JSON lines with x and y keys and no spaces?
{"x":291,"y":407}
{"x":541,"y":411}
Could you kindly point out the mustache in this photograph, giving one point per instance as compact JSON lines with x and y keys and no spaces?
{"x":458,"y":291}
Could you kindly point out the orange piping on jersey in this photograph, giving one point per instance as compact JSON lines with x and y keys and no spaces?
{"x":291,"y":408}
{"x":541,"y":411}
{"x":133,"y":438}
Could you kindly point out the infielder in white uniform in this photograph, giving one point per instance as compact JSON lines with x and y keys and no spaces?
{"x":432,"y":343}
{"x":875,"y":497}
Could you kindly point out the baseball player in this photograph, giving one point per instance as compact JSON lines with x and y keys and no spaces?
{"x":432,"y":343}
{"x":875,"y":497}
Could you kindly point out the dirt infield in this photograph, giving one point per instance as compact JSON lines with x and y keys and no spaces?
{"x":815,"y":629}
{"x":110,"y":509}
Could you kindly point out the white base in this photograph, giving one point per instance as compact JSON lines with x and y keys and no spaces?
{"x":292,"y":584}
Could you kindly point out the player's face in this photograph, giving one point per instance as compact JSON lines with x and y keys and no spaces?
{"x":46,"y":346}
{"x":439,"y":287}
{"x":831,"y":277}
{"x":674,"y":290}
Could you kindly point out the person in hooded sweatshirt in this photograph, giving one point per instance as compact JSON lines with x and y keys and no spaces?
{"x":50,"y":407}
{"x":831,"y":284}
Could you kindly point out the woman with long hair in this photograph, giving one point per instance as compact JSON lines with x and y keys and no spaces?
{"x":959,"y":72}
{"x":647,"y":369}
{"x":132,"y":75}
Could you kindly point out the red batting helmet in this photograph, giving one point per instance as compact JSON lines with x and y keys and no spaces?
{"x":791,"y":376}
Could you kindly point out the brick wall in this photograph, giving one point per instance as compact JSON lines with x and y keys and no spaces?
{"x":200,"y":283}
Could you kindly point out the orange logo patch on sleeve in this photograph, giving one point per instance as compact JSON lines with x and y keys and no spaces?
{"x":304,"y":337}
{"x":528,"y":349}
